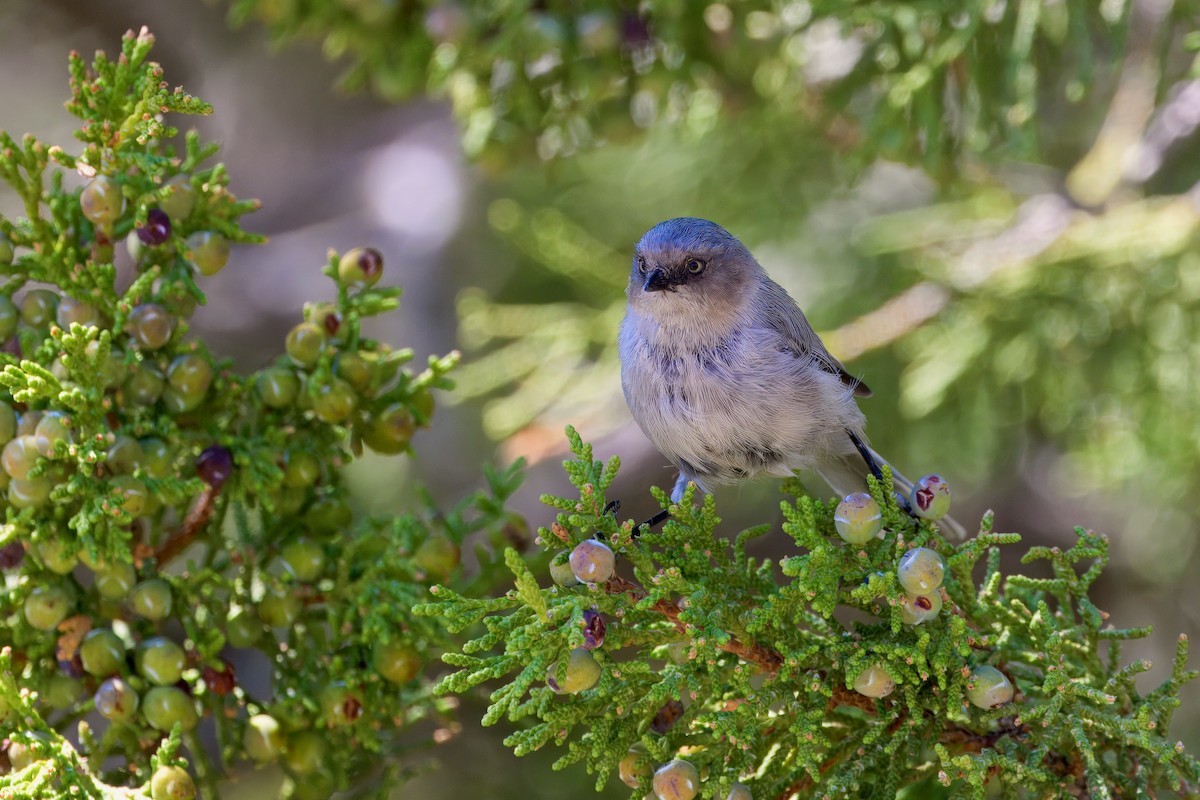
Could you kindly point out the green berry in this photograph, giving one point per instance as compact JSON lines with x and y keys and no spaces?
{"x":46,"y":606}
{"x":177,"y":198}
{"x":151,"y":326}
{"x":208,"y":252}
{"x":19,"y":456}
{"x":306,"y":751}
{"x":23,"y":754}
{"x":560,"y":570}
{"x":52,"y":428}
{"x":396,"y":662}
{"x":279,"y":609}
{"x":102,"y":652}
{"x":176,"y":402}
{"x":129,"y":494}
{"x":592,"y":561}
{"x":921,"y":570}
{"x":160,"y":661}
{"x":304,"y":559}
{"x":101,"y":202}
{"x":263,"y":739}
{"x":243,"y":628}
{"x":163,"y":706}
{"x":157,"y":459}
{"x":124,"y":455}
{"x":339,"y":705}
{"x":931,"y":497}
{"x":335,"y":401}
{"x":9,"y":317}
{"x":57,"y":556}
{"x":354,"y":370}
{"x":739,"y":791}
{"x":152,"y":599}
{"x":582,"y":672}
{"x":277,"y":387}
{"x":676,"y":780}
{"x":325,"y":316}
{"x":305,"y":343}
{"x":145,"y":385}
{"x":329,"y":515}
{"x":858,"y":518}
{"x":116,"y":700}
{"x":71,"y":310}
{"x":115,"y":581}
{"x":988,"y":687}
{"x":301,"y":469}
{"x":634,"y":767}
{"x":438,"y":556}
{"x":362,"y":266}
{"x":917,"y":608}
{"x":389,"y":431}
{"x":190,"y":375}
{"x":38,"y":308}
{"x":61,"y":691}
{"x":172,"y":783}
{"x":29,"y":494}
{"x":874,"y":681}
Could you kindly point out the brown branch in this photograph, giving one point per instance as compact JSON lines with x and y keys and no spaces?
{"x":197,"y":517}
{"x":767,"y":660}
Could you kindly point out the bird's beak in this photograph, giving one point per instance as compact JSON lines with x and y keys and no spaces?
{"x":656,"y":281}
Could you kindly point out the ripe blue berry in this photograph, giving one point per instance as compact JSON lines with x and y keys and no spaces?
{"x":916,"y":608}
{"x":157,"y":228}
{"x":214,"y":465}
{"x":931,"y":497}
{"x":592,"y":561}
{"x":594,"y":629}
{"x":676,"y":780}
{"x":874,"y":681}
{"x":921,"y":570}
{"x":988,"y":687}
{"x":858,"y":518}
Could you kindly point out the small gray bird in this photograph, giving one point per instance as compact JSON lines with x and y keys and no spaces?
{"x":726,"y":376}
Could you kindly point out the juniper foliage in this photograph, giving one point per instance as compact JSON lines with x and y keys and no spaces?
{"x":747,"y":668}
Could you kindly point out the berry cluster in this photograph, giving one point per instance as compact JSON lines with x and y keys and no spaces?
{"x":164,"y":515}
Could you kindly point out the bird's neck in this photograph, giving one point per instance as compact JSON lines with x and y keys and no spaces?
{"x":691,"y":325}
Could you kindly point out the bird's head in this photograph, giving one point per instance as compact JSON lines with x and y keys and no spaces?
{"x":690,"y":264}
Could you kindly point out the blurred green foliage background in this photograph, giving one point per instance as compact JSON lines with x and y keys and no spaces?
{"x":990,"y":208}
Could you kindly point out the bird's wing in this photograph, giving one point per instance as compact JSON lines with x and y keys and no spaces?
{"x":782,"y":315}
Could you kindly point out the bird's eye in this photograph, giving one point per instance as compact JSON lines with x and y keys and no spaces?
{"x":694,"y":266}
{"x":641,"y":264}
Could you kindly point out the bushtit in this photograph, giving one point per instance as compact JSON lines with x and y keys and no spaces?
{"x":725,"y":375}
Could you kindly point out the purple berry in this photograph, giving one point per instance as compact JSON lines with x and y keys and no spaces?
{"x":594,"y":629}
{"x":214,"y":466}
{"x":592,"y":561}
{"x":157,"y":228}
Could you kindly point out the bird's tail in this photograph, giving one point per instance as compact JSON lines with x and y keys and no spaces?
{"x":848,"y":474}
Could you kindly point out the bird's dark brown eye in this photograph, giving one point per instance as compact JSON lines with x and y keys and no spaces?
{"x":641,"y":264}
{"x":694,"y":266}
